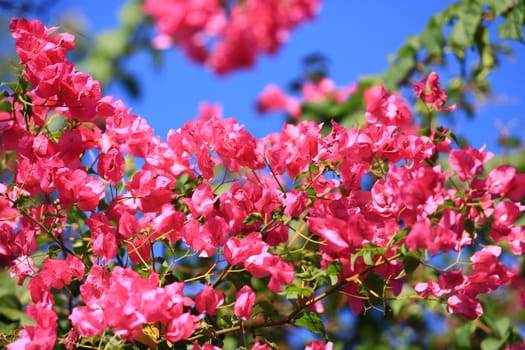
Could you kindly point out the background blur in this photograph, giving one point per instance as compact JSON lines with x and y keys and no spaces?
{"x":356,"y":37}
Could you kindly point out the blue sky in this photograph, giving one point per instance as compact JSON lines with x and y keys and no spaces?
{"x":357,"y":37}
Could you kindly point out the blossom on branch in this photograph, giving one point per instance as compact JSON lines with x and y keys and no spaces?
{"x":218,"y":232}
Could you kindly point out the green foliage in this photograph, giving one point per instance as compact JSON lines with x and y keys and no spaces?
{"x":311,"y":321}
{"x":12,"y":314}
{"x":512,"y":27}
{"x":463,"y":27}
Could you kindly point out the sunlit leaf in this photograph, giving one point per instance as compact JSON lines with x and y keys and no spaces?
{"x":462,"y":34}
{"x":512,"y":28}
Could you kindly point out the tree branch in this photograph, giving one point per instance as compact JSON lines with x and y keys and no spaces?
{"x":263,"y":323}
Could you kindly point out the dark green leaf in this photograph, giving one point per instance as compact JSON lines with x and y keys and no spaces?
{"x":410,"y":263}
{"x":266,"y":307}
{"x":486,"y":53}
{"x":131,"y":84}
{"x":10,"y":301}
{"x":311,"y":321}
{"x":6,"y":106}
{"x":10,"y":307}
{"x":374,"y":287}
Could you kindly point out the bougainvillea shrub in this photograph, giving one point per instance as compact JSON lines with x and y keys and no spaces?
{"x":213,"y":237}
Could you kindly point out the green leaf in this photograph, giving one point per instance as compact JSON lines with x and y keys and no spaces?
{"x":131,"y":14}
{"x":368,"y":252}
{"x":16,"y":86}
{"x":399,"y":236}
{"x":498,"y":6}
{"x":501,"y":326}
{"x":112,"y":43}
{"x":486,"y":53}
{"x":264,"y":307}
{"x":512,"y":28}
{"x":333,"y":271}
{"x":463,"y":335}
{"x":311,"y":321}
{"x":402,"y":64}
{"x":355,"y":108}
{"x":253,"y":218}
{"x":410,"y":263}
{"x":100,"y":67}
{"x":10,"y":301}
{"x":295,"y":291}
{"x":11,"y":314}
{"x":396,"y":306}
{"x":491,"y":344}
{"x":432,"y":38}
{"x":6,"y":106}
{"x":515,"y":159}
{"x":368,"y":258}
{"x":374,"y":287}
{"x":11,"y":308}
{"x":312,"y":194}
{"x":463,"y":32}
{"x":77,"y":216}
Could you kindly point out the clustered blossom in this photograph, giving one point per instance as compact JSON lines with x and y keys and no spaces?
{"x":297,"y":184}
{"x":54,"y":78}
{"x":386,"y":108}
{"x":429,"y":91}
{"x":273,"y":99}
{"x":461,"y":290}
{"x":227,"y":36}
{"x":125,"y":301}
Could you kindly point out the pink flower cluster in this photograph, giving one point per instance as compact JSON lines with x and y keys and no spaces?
{"x":273,"y":99}
{"x":226,"y":197}
{"x":429,"y":91}
{"x":121,"y":299}
{"x":56,"y":82}
{"x":125,"y":301}
{"x":227,"y":36}
{"x":461,"y":290}
{"x":386,"y":108}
